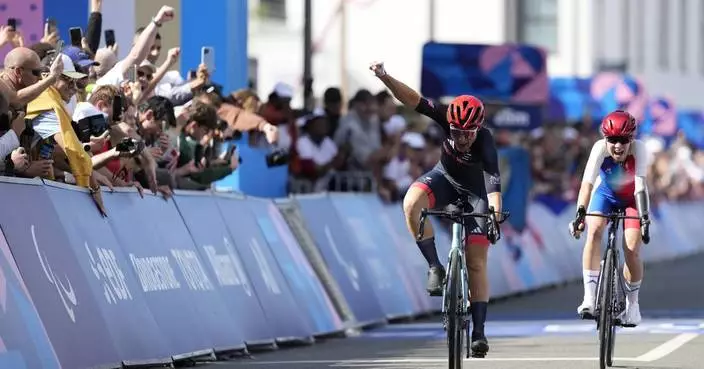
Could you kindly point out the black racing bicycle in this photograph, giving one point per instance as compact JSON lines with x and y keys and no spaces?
{"x":455,"y":299}
{"x":611,"y":287}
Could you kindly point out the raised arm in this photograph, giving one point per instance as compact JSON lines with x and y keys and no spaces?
{"x":144,"y":42}
{"x":406,"y":95}
{"x":410,"y":98}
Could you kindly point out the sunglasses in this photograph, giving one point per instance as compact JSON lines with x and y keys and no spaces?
{"x":463,"y":133}
{"x":145,"y":75}
{"x":618,"y":139}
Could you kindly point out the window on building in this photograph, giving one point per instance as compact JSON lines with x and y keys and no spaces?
{"x":273,"y":9}
{"x":664,"y":35}
{"x":683,"y":36}
{"x":537,"y":23}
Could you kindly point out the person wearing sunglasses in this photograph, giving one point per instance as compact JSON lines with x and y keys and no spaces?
{"x":617,"y":167}
{"x":21,"y":78}
{"x":468,"y":169}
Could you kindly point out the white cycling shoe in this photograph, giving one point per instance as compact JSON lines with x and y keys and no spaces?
{"x":631,"y":316}
{"x":586,"y":310}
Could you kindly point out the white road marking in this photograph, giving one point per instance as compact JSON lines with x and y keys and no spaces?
{"x":667,"y":348}
{"x":424,"y":360}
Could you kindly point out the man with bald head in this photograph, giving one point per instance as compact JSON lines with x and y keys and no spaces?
{"x":20,"y":78}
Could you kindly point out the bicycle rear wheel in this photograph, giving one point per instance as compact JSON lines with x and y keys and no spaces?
{"x":606,"y":323}
{"x":454,"y":312}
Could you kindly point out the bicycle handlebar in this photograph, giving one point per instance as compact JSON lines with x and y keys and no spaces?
{"x":611,"y":216}
{"x":645,"y":225}
{"x":459,"y":217}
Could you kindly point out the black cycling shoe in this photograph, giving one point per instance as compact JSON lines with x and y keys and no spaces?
{"x":480,"y":346}
{"x":436,"y":277}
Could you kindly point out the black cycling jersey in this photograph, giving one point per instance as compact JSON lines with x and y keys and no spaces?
{"x":475,"y":171}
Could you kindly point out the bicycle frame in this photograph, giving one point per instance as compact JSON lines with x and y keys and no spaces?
{"x":458,"y":236}
{"x":620,"y":295}
{"x":457,"y":250}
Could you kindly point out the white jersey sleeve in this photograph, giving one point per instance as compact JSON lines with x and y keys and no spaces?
{"x":641,"y":156}
{"x":596,"y":158}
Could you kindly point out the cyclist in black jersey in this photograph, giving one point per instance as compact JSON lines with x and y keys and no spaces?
{"x":468,"y":167}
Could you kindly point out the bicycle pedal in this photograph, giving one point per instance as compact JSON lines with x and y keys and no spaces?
{"x":628,"y":325}
{"x":587,"y":316}
{"x":478,"y":355}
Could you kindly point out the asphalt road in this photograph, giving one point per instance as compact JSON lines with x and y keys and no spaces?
{"x":539,"y":330}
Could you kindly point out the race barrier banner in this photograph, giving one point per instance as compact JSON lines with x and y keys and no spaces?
{"x":203,"y":274}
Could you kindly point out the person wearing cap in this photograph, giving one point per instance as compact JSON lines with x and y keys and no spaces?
{"x":277,"y":111}
{"x":83,"y":63}
{"x":51,"y":121}
{"x":404,"y":167}
{"x":319,"y":156}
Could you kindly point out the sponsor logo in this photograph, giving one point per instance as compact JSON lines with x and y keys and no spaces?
{"x":509,"y":117}
{"x":65,"y":291}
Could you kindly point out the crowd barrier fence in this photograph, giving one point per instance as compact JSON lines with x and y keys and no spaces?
{"x":206,"y":274}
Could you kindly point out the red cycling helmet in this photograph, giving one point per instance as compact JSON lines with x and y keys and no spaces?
{"x":618,"y":123}
{"x":465,"y":112}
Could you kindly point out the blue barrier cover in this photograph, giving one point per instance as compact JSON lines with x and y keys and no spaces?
{"x":196,"y":283}
{"x":108,"y":272}
{"x":376,"y":253}
{"x":213,"y":240}
{"x":23,"y":340}
{"x":406,"y":253}
{"x":143,"y":234}
{"x":338,"y":250}
{"x":301,"y":277}
{"x":54,"y":279}
{"x":277,"y":300}
{"x":416,"y":264}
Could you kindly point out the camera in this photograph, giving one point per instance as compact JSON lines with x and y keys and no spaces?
{"x":94,"y":126}
{"x":130,"y":144}
{"x":277,"y":158}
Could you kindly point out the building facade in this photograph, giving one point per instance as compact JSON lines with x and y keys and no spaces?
{"x":656,"y":40}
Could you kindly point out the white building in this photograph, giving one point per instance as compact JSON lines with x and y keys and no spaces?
{"x":657,"y":40}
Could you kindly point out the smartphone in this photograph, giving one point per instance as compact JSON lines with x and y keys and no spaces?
{"x":117,"y":109}
{"x":191,"y":74}
{"x":76,"y":36}
{"x":198,"y":155}
{"x":109,"y":37}
{"x":58,"y":49}
{"x":46,"y":150}
{"x":207,"y":57}
{"x":132,"y":74}
{"x":12,"y":23}
{"x":50,"y":26}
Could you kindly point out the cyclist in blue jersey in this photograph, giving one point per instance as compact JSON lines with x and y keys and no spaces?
{"x":614,"y":178}
{"x":468,"y":169}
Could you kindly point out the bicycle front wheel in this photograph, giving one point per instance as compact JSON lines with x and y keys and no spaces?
{"x":454,"y":312}
{"x":606,"y":323}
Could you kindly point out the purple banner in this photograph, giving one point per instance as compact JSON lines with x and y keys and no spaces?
{"x":280,"y":306}
{"x":110,"y":276}
{"x":301,"y":278}
{"x":339,"y":251}
{"x":24,"y":343}
{"x":54,"y":278}
{"x":215,"y":245}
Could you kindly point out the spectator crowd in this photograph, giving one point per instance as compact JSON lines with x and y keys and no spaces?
{"x":78,"y":114}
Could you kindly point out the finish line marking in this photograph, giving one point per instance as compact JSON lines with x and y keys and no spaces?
{"x":667,"y":348}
